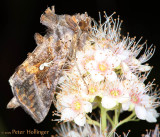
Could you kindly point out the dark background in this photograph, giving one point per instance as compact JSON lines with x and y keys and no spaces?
{"x":19,"y":22}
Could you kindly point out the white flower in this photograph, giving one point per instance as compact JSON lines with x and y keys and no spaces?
{"x":141,"y":102}
{"x":69,"y":130}
{"x":107,"y":36}
{"x":109,"y":69}
{"x":108,"y":102}
{"x":151,"y":115}
{"x":122,"y":52}
{"x":73,"y":130}
{"x":82,"y":58}
{"x":73,"y":134}
{"x":74,"y":108}
{"x":140,"y":112}
{"x":90,"y":89}
{"x":127,"y":73}
{"x":143,"y":107}
{"x":103,"y":66}
{"x":153,"y":133}
{"x":114,"y":93}
{"x":135,"y":64}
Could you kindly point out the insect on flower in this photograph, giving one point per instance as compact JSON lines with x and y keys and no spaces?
{"x":34,"y":82}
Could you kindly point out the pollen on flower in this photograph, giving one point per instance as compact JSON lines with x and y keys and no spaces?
{"x":77,"y":105}
{"x":102,"y":67}
{"x":106,"y":71}
{"x":135,"y":99}
{"x":92,"y":90}
{"x":115,"y":92}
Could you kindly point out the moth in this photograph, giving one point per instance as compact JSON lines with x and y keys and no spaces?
{"x":34,"y":82}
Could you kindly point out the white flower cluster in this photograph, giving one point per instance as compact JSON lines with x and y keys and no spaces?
{"x":72,"y":130}
{"x":152,"y":133}
{"x":109,"y":71}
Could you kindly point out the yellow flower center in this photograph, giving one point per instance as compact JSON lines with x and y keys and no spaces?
{"x":134,"y":98}
{"x":102,"y":67}
{"x":77,"y":106}
{"x":115,"y":93}
{"x":92,"y":90}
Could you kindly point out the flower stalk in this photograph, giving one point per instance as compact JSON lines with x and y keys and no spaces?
{"x":91,"y":121}
{"x":129,"y":118}
{"x":108,"y":73}
{"x":103,"y":119}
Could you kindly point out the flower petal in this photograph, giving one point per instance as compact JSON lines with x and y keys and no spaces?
{"x":96,"y":77}
{"x":87,"y":106}
{"x":113,"y":61}
{"x":101,"y":55}
{"x":68,"y":114}
{"x":80,"y":119}
{"x":111,"y":76}
{"x":108,"y":102}
{"x":124,"y":55}
{"x":66,"y":100}
{"x":124,"y":98}
{"x":145,"y":100}
{"x":130,"y":76}
{"x":125,"y":67}
{"x":91,"y":65}
{"x":150,"y":117}
{"x":144,"y":68}
{"x":73,"y":134}
{"x":140,"y":112}
{"x":135,"y":61}
{"x":125,"y":106}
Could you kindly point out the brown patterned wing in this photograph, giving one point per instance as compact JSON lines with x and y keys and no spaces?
{"x":34,"y":82}
{"x":31,"y":86}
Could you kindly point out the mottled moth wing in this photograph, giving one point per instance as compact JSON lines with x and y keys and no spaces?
{"x":34,"y":82}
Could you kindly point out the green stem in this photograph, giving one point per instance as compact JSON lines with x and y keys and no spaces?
{"x":91,"y":121}
{"x":117,"y":113}
{"x":110,"y":120}
{"x":116,"y":117}
{"x":129,"y":118}
{"x":103,"y":119}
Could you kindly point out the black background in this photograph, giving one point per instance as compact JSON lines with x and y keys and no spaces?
{"x":19,"y":21}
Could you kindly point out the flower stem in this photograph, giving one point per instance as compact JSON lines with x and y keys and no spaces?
{"x":103,"y":119}
{"x":129,"y":118}
{"x":116,"y":117}
{"x":117,"y":113}
{"x":110,"y":120}
{"x":91,"y":121}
